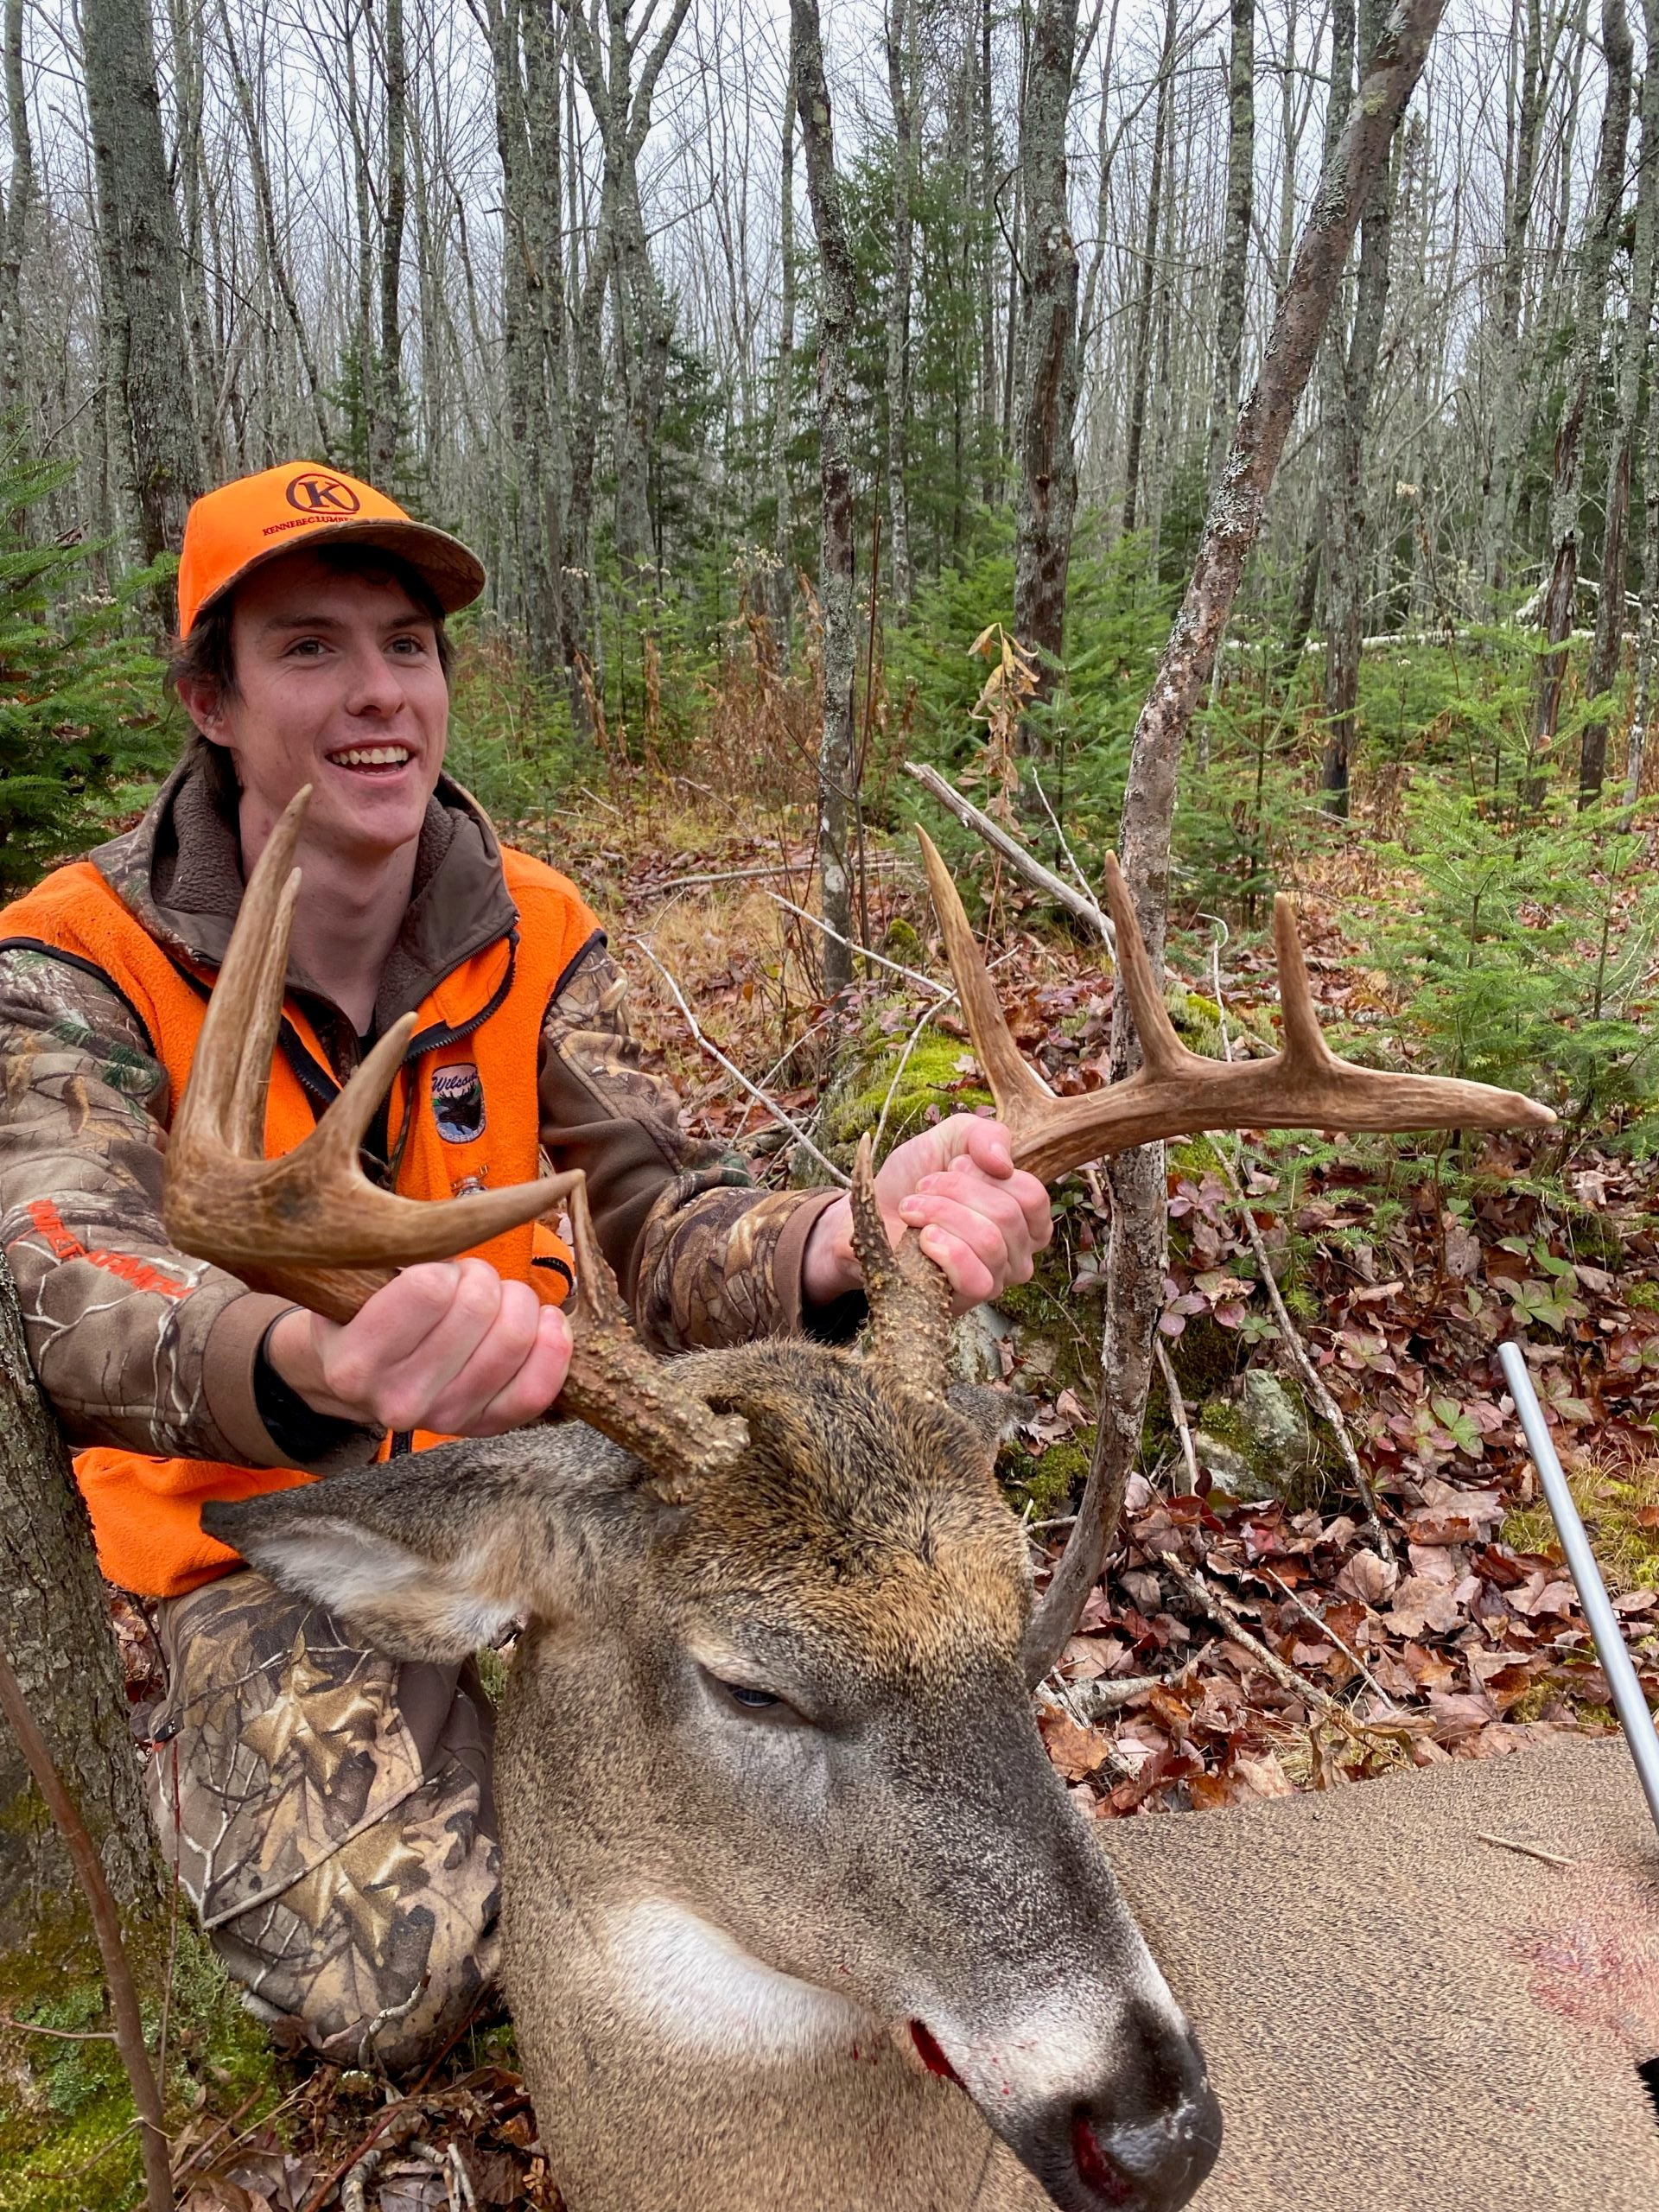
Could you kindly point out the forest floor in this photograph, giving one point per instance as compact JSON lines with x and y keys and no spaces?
{"x":1239,"y":1646}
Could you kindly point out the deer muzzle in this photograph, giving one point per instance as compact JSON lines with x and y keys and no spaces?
{"x":1143,"y":2139}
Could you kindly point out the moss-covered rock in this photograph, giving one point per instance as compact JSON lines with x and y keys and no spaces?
{"x":1259,"y":1443}
{"x":66,"y":2139}
{"x":929,"y":1079}
{"x":1047,"y":1486}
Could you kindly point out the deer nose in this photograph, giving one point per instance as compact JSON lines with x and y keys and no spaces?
{"x":1150,"y":2135}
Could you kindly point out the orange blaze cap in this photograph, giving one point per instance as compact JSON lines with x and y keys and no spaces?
{"x":232,"y":530}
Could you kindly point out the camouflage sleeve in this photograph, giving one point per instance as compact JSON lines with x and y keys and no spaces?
{"x":135,"y":1343}
{"x":703,"y":1257}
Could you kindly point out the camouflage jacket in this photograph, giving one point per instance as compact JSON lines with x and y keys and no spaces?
{"x":705,"y":1257}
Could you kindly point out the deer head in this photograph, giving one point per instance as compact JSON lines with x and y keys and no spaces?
{"x":768,"y":1724}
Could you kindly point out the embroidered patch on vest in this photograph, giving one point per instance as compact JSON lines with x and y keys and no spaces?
{"x":457,"y":1103}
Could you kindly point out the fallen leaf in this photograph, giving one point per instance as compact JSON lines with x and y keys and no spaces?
{"x":1369,"y":1578}
{"x":1076,"y":1750}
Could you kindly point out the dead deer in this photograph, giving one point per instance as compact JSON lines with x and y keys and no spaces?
{"x":797,"y":1911}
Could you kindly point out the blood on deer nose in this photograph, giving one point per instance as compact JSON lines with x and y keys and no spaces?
{"x":1150,"y":2136}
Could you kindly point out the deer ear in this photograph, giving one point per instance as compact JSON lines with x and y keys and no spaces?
{"x":429,"y":1557}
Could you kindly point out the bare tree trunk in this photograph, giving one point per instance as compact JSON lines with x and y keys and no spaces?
{"x":644,"y":326}
{"x":991,"y":483}
{"x":1355,"y":373}
{"x":783,"y":599}
{"x":835,"y":327}
{"x":1049,"y":371}
{"x":1566,"y":492}
{"x":901,"y":92}
{"x":1236,"y":245}
{"x":15,"y":224}
{"x":1634,"y":351}
{"x":532,"y":307}
{"x":160,"y":448}
{"x":1497,"y":499}
{"x":385,"y":421}
{"x":271,"y":239}
{"x":1141,"y":361}
{"x":56,"y":1633}
{"x":1648,"y":627}
{"x":1135,"y":1255}
{"x":187,"y":99}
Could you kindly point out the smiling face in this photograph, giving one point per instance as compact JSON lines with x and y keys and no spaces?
{"x":340,"y":684}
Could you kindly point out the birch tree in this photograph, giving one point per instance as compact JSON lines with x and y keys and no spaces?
{"x":836,"y":316}
{"x":900,"y":75}
{"x":1235,"y":242}
{"x":1049,"y":368}
{"x":1135,"y":1250}
{"x":1634,"y":358}
{"x":1353,"y":359}
{"x":1595,"y":262}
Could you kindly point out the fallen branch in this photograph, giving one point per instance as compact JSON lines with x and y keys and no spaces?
{"x":1003,"y":841}
{"x":58,"y":2034}
{"x":754,"y":1089}
{"x":910,"y":975}
{"x":1105,"y":1694}
{"x":392,"y":2136}
{"x":1526,"y":1850}
{"x":1325,"y":1630}
{"x":1178,"y":1415}
{"x":1226,"y":1615}
{"x":129,"y":2027}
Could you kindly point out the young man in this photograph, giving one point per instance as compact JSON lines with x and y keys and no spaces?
{"x":330,"y":1811}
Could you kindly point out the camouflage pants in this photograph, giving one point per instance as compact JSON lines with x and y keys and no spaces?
{"x":331,"y":1817}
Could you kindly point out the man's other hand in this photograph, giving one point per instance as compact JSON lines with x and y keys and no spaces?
{"x":447,"y":1346}
{"x":973,"y":1212}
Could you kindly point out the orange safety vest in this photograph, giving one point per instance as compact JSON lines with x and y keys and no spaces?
{"x":463,"y":1113}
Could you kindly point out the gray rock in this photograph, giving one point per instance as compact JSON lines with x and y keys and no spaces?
{"x":1229,"y":1469}
{"x":1269,"y":1450}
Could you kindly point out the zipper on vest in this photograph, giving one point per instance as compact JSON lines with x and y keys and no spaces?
{"x":402,"y":1443}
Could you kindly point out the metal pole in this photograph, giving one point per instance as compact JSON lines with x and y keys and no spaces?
{"x":1629,"y":1701}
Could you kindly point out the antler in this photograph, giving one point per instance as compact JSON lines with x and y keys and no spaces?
{"x":1176,"y":1092}
{"x":312,"y":1227}
{"x":910,"y":1297}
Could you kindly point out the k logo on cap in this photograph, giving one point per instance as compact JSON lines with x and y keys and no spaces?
{"x":322,"y":495}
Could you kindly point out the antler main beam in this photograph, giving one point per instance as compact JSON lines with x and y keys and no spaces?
{"x":1177,"y":1093}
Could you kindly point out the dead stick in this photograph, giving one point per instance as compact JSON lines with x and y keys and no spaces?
{"x":106,"y":1926}
{"x":1225,"y":1616}
{"x":1002,"y":840}
{"x":1178,"y":1415}
{"x":1289,"y":1333}
{"x":1325,"y":1630}
{"x":1105,"y":1694}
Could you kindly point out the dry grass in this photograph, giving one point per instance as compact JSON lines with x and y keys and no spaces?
{"x":1619,"y":1497}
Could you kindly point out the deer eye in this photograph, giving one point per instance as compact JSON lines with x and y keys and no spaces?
{"x":752,"y":1700}
{"x":746,"y":1699}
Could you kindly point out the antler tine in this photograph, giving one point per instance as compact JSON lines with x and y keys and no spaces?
{"x":620,"y":1386}
{"x":225,"y":1099}
{"x":1020,"y":1093}
{"x":245,"y":1121}
{"x":910,"y":1297}
{"x":1176,"y":1092}
{"x":1162,"y":1053}
{"x":1304,"y":1042}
